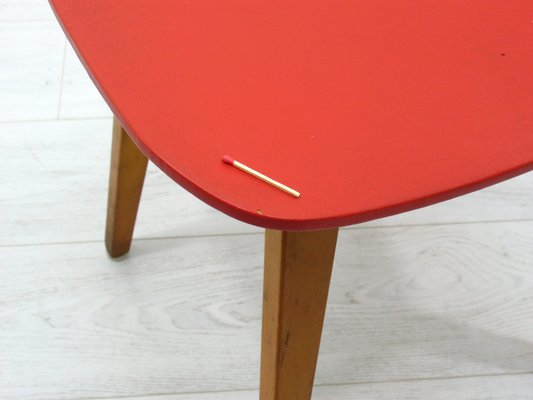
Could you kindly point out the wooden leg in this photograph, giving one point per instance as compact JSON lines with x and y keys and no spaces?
{"x":297,"y":274}
{"x":128,"y":168}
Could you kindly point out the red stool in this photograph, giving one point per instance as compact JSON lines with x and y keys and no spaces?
{"x":367,"y":108}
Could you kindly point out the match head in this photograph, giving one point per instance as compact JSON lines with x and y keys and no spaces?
{"x":228,"y":160}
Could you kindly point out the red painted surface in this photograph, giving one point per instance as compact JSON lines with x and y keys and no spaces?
{"x":368,"y":107}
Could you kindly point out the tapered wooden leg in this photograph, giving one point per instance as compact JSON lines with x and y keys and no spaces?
{"x":128,"y":168}
{"x":297,"y":275}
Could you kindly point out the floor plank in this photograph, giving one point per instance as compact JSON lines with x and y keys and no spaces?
{"x":183,"y":315}
{"x":80,"y":98}
{"x":53,"y":186}
{"x":53,"y":182}
{"x":412,"y":308}
{"x":514,"y":387}
{"x":25,"y":10}
{"x":30,"y":70}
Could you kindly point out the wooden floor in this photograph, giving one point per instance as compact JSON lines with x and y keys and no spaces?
{"x":433,"y":304}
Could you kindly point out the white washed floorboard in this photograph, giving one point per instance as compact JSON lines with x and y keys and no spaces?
{"x":517,"y":387}
{"x":80,"y":98}
{"x":183,"y":315}
{"x":53,"y":188}
{"x":25,"y":10}
{"x":509,"y":200}
{"x":31,"y":60}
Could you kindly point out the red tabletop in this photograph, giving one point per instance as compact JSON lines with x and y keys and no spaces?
{"x":366,"y":107}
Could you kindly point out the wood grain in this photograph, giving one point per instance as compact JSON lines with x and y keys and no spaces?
{"x":296,"y":283}
{"x":184,"y":315}
{"x":128,"y":168}
{"x":509,"y":387}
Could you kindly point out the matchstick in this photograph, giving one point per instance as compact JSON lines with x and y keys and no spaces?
{"x":230,"y":161}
